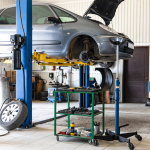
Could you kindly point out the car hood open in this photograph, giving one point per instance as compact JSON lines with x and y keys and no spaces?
{"x":106,"y":9}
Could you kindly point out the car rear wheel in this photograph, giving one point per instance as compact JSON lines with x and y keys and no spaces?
{"x":106,"y":64}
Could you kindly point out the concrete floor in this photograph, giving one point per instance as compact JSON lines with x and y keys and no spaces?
{"x":42,"y":137}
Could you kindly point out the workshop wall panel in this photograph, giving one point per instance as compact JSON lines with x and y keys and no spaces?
{"x":4,"y":3}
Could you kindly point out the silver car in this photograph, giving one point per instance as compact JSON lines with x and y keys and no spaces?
{"x":63,"y":34}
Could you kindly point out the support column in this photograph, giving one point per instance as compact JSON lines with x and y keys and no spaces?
{"x":84,"y":99}
{"x":87,"y":84}
{"x":81,"y":83}
{"x":26,"y":56}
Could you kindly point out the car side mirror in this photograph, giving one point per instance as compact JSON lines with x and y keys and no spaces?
{"x":53,"y":19}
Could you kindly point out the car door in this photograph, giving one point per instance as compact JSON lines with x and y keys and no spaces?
{"x":47,"y":36}
{"x":7,"y":28}
{"x":69,"y":27}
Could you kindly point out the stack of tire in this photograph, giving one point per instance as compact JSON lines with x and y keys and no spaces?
{"x":43,"y":96}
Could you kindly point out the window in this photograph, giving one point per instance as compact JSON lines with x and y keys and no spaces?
{"x":40,"y":14}
{"x":64,"y":17}
{"x":8,"y":16}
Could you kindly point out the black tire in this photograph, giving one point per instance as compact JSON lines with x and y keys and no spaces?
{"x":96,"y":143}
{"x":131,"y":146}
{"x":139,"y":137}
{"x":43,"y":94}
{"x":106,"y":133}
{"x":43,"y":98}
{"x":107,"y":78}
{"x":18,"y":119}
{"x":108,"y":65}
{"x":57,"y":138}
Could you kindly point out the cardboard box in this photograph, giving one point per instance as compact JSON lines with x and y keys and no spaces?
{"x":11,"y":75}
{"x":33,"y":79}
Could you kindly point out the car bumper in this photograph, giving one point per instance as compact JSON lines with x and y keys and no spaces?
{"x":106,"y":48}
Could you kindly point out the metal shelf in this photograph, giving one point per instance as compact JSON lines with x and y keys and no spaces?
{"x":81,"y":114}
{"x":80,"y":137}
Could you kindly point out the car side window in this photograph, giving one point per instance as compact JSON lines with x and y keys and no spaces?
{"x":64,"y":16}
{"x":8,"y":16}
{"x":40,"y":14}
{"x":1,"y":10}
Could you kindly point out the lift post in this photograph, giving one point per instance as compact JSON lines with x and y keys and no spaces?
{"x":84,"y":74}
{"x":26,"y":56}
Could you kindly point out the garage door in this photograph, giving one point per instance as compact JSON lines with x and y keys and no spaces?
{"x":136,"y":76}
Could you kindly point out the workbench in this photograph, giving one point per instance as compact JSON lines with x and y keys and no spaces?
{"x":92,"y":137}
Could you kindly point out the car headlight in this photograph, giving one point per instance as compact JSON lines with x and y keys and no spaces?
{"x":108,"y":28}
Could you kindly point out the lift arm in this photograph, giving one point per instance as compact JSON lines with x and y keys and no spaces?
{"x":44,"y":59}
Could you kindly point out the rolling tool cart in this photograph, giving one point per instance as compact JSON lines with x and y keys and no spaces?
{"x":92,"y":138}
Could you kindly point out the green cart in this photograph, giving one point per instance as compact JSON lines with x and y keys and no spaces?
{"x":92,"y":138}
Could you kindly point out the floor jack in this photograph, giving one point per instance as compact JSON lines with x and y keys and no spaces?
{"x":109,"y":135}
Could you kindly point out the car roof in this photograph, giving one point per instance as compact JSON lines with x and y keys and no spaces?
{"x":46,"y":4}
{"x":34,"y":3}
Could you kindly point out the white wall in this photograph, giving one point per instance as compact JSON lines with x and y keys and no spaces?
{"x":37,"y":70}
{"x":4,"y":3}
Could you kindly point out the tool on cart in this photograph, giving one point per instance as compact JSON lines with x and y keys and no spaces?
{"x":72,"y":133}
{"x":71,"y":88}
{"x":85,"y":133}
{"x":63,"y":132}
{"x":82,"y":110}
{"x":79,"y":130}
{"x":96,"y":127}
{"x":76,"y":89}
